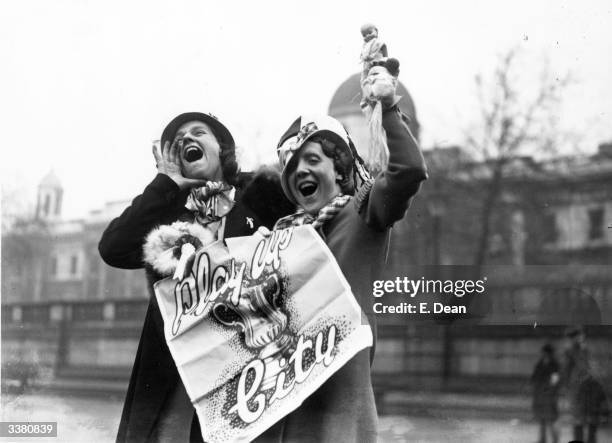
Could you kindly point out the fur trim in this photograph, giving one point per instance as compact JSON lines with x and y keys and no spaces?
{"x":160,"y":248}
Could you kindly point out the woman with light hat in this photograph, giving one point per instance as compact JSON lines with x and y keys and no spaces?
{"x":325,"y":177}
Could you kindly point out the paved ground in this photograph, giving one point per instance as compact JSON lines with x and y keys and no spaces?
{"x":91,"y":420}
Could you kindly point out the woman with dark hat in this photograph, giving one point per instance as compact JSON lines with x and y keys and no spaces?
{"x":197,"y":181}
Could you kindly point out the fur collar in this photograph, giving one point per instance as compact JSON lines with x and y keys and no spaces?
{"x":162,"y":247}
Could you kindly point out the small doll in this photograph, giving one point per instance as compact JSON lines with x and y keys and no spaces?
{"x":373,"y":49}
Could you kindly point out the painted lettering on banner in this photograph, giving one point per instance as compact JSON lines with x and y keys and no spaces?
{"x":256,"y":326}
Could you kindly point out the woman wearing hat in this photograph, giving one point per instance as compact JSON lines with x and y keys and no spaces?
{"x":323,"y":175}
{"x":197,"y":182}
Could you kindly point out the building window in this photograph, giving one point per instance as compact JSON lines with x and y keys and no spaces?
{"x":550,"y":230}
{"x":596,"y":218}
{"x":497,"y":244}
{"x":53,"y":266}
{"x":47,"y":205}
{"x":58,"y":202}
{"x":74,"y":262}
{"x":93,"y":265}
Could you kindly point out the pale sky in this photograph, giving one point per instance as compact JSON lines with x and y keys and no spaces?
{"x":85,"y":86}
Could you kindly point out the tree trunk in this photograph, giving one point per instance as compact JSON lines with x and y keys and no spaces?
{"x":492,"y":193}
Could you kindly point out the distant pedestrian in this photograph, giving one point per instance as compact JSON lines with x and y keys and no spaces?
{"x":545,"y":382}
{"x":588,"y":403}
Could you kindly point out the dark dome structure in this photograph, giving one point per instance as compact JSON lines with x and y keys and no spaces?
{"x":345,"y":102}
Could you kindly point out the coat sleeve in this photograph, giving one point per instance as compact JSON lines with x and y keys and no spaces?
{"x":394,"y":187}
{"x":162,"y":202}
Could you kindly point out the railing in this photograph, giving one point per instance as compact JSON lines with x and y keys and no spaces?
{"x":95,"y":340}
{"x":50,"y":312}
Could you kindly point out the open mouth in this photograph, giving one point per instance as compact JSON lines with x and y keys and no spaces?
{"x":307,"y":188}
{"x":192,"y":153}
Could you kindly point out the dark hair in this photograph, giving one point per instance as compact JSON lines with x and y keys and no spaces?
{"x":343,"y":164}
{"x":229,"y":164}
{"x":227,"y":159}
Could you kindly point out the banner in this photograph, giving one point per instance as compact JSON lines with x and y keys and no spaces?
{"x":256,"y":326}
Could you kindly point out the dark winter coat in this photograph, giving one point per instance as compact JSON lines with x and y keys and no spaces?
{"x":545,"y":394}
{"x":592,"y":403}
{"x":587,"y":398}
{"x":154,"y":375}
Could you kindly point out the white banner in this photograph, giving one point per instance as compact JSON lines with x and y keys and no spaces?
{"x":257,"y":326}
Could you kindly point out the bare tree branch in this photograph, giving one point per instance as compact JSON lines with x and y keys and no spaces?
{"x":510,"y":124}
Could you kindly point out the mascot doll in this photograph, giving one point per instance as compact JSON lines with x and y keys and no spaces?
{"x":378,"y":79}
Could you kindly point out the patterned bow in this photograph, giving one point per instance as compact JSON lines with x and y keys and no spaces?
{"x":211,"y":202}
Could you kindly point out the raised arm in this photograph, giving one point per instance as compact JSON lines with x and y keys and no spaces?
{"x":400,"y":180}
